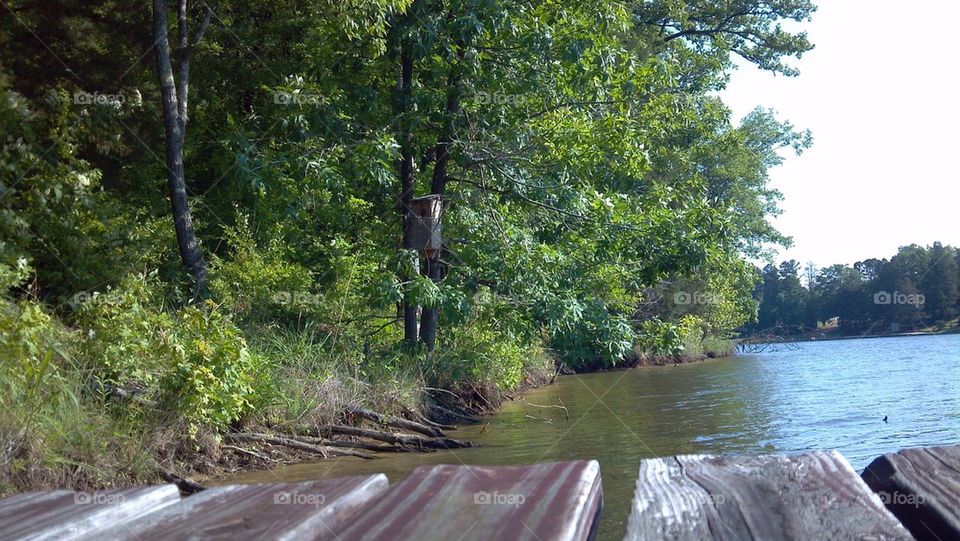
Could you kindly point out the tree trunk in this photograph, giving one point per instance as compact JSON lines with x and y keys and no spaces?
{"x":433,"y":270}
{"x":428,"y":320}
{"x":174,"y":123}
{"x":405,"y":109}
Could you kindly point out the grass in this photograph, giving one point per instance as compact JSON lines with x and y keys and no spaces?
{"x":55,"y":435}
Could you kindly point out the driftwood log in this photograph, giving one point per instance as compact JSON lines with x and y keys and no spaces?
{"x":324,"y":451}
{"x":408,"y":440}
{"x":816,"y":495}
{"x":397,"y":422}
{"x":922,"y":488}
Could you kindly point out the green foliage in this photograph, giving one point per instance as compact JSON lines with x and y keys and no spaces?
{"x":31,"y":342}
{"x":214,"y":376}
{"x":485,"y":347}
{"x":193,"y":359}
{"x":581,"y":197}
{"x":655,"y":337}
{"x":257,"y":283}
{"x":919,"y":287}
{"x":683,"y":338}
{"x":478,"y":352}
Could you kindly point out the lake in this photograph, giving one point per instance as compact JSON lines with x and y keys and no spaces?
{"x":812,"y":395}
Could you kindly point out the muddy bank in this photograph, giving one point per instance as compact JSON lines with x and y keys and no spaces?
{"x":365,"y":434}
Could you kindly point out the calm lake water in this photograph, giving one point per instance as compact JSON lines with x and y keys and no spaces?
{"x":820,"y":395}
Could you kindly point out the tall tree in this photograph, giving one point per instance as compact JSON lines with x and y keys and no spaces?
{"x":939,"y":283}
{"x":174,"y":94}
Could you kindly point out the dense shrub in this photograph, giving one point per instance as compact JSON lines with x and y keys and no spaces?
{"x":258,"y":283}
{"x":194,"y":359}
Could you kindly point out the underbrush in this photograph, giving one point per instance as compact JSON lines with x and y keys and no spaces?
{"x":139,"y":379}
{"x":687,"y":340}
{"x":53,"y":433}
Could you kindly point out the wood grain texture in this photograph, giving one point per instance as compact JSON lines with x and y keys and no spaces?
{"x":922,"y":488}
{"x":276,"y":511}
{"x":552,"y":501}
{"x":65,"y":514}
{"x":811,"y":496}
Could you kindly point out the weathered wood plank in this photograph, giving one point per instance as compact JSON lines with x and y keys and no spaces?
{"x":555,"y":501}
{"x":273,"y":511}
{"x":811,"y":496}
{"x":66,"y":514}
{"x":922,"y":488}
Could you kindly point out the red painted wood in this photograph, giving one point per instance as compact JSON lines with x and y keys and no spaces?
{"x":293,"y":511}
{"x":66,"y":514}
{"x":554,"y":501}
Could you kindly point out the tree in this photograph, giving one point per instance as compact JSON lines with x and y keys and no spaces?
{"x":174,"y":98}
{"x":749,"y":28}
{"x":939,"y":283}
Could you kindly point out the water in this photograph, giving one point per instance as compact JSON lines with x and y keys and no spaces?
{"x":822,"y":395}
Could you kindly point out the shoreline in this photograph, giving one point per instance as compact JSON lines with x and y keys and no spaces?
{"x":530,"y":383}
{"x":828,"y":337}
{"x":212,"y":456}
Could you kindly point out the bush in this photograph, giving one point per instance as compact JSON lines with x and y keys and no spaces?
{"x":194,"y":360}
{"x":488,"y":346}
{"x":682,"y":339}
{"x":655,"y":337}
{"x":582,"y":334}
{"x":260,"y":284}
{"x":50,"y":435}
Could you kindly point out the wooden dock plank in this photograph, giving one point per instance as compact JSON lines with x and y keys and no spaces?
{"x":922,"y":488}
{"x":291,"y":511}
{"x":66,"y":514}
{"x":555,"y":501}
{"x":811,"y":496}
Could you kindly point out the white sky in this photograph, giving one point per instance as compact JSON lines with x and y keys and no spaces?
{"x":880,"y":93}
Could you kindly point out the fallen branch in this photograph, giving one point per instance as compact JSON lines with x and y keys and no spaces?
{"x":397,"y":422}
{"x":419,"y":417}
{"x":376,"y":447}
{"x":479,"y":394}
{"x":324,"y":451}
{"x":116,"y":392}
{"x":566,"y":413}
{"x":186,"y":485}
{"x":353,"y":444}
{"x":555,"y":374}
{"x":249,"y":452}
{"x":450,"y":414}
{"x":400,"y":439}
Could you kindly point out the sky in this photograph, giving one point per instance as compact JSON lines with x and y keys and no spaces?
{"x":880,"y":93}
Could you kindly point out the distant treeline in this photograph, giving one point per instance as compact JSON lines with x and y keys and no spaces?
{"x":917,"y":288}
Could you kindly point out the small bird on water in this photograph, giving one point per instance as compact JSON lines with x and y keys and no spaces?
{"x":884,"y":418}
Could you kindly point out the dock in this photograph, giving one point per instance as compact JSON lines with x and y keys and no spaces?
{"x":910,"y":494}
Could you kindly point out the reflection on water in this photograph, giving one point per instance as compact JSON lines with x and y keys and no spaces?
{"x":824,"y":395}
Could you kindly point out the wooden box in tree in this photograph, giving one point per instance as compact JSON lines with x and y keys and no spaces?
{"x":427,"y":230}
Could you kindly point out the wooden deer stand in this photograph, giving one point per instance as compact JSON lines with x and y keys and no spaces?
{"x":428,"y":229}
{"x":428,"y":239}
